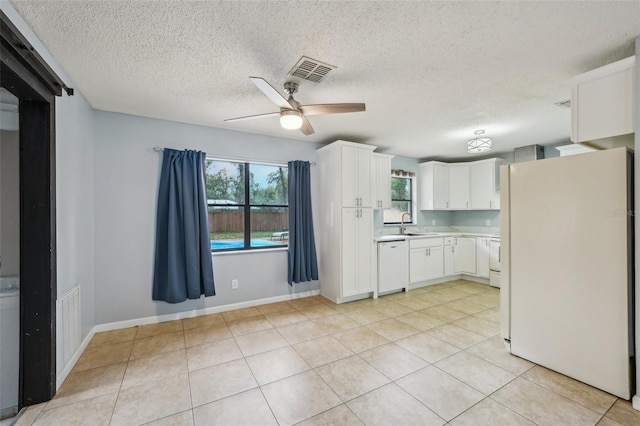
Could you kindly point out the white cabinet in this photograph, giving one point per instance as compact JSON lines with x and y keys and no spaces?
{"x":459,"y":186}
{"x":602,"y":102}
{"x":356,"y":251}
{"x":346,"y":248}
{"x":434,"y":186}
{"x":485,"y":184}
{"x":381,"y":180}
{"x":426,"y":259}
{"x":356,"y":177}
{"x":465,"y":255}
{"x":482,"y":257}
{"x":449,"y":254}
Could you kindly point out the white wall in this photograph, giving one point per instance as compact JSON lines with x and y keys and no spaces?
{"x":9,"y":203}
{"x":74,"y":202}
{"x":126,"y":182}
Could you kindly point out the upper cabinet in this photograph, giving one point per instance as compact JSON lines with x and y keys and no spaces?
{"x":460,"y":186}
{"x":381,"y":180}
{"x":602,"y":102}
{"x":485,"y":184}
{"x":434,"y":186}
{"x":356,"y":175}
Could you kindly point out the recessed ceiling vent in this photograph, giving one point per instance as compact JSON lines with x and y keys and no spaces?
{"x":564,"y":104}
{"x":311,"y":69}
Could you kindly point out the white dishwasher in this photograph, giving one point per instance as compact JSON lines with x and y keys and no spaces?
{"x":393,"y":266}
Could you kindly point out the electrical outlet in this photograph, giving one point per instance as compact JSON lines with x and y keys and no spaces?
{"x":433,"y":222}
{"x":487,"y":222}
{"x":234,"y":284}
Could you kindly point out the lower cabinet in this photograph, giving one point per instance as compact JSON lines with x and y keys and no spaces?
{"x":426,"y":260}
{"x":482,"y":255}
{"x":433,"y":258}
{"x":449,"y":255}
{"x":465,"y":255}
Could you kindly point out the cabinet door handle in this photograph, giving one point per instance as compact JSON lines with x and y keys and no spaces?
{"x":490,"y":204}
{"x":467,"y":204}
{"x":447,"y":204}
{"x":499,"y":257}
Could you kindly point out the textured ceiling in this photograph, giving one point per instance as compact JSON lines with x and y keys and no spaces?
{"x":430,"y":72}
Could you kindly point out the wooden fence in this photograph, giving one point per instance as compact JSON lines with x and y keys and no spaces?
{"x":233,"y":221}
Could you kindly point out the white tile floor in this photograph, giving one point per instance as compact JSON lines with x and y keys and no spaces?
{"x":431,"y":356}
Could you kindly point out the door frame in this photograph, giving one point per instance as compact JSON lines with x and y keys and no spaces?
{"x":25,"y":74}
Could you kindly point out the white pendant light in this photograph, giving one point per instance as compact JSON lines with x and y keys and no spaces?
{"x":479,"y":143}
{"x":291,"y":119}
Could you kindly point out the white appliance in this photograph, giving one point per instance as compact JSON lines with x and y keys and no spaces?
{"x":494,"y":262}
{"x":566,"y":229}
{"x":393,"y":266}
{"x":9,"y":345}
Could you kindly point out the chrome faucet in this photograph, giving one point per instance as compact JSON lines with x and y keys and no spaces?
{"x":403,"y":227}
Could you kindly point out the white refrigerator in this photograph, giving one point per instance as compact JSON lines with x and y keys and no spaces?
{"x":567,"y":282}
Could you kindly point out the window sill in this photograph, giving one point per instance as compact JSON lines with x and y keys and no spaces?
{"x":233,"y":252}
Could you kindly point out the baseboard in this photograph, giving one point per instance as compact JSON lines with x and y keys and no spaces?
{"x":635,"y":402}
{"x":476,"y":279}
{"x":205,"y":311}
{"x":72,"y":362}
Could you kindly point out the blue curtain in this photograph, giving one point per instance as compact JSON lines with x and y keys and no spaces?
{"x":303,"y":264}
{"x":183,"y":266}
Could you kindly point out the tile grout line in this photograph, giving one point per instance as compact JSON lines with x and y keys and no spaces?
{"x":566,"y":397}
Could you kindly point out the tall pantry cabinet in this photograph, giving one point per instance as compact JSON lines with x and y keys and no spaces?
{"x":346,"y":255}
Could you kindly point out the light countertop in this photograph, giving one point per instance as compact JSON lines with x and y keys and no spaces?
{"x":398,"y":237}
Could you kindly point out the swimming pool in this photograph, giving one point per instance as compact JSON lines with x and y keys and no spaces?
{"x":237,"y":244}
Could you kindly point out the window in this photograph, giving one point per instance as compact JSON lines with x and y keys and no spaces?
{"x":248,"y":205}
{"x":402,"y":189}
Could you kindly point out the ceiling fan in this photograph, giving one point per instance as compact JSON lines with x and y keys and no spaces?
{"x":292,"y":114}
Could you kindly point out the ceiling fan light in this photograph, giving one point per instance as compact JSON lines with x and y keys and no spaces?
{"x":291,"y":119}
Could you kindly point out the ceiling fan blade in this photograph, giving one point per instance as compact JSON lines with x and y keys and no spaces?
{"x":320,"y":109}
{"x":271,"y":93}
{"x":252,"y":117}
{"x":306,"y":127}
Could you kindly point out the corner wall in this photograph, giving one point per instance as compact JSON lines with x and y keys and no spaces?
{"x":126,"y":184}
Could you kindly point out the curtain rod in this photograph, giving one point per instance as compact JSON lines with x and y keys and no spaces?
{"x":313,"y":163}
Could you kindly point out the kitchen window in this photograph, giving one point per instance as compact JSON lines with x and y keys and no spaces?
{"x":402,"y":200}
{"x":248,"y":205}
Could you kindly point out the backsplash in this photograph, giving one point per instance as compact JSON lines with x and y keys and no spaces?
{"x":476,"y":218}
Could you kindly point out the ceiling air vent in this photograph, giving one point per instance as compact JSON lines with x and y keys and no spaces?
{"x":311,"y":69}
{"x":564,"y":104}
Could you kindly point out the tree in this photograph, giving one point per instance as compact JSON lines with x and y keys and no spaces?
{"x":278,"y":179}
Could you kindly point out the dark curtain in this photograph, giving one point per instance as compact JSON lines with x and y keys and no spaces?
{"x":183,"y":266}
{"x":303,"y":264}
